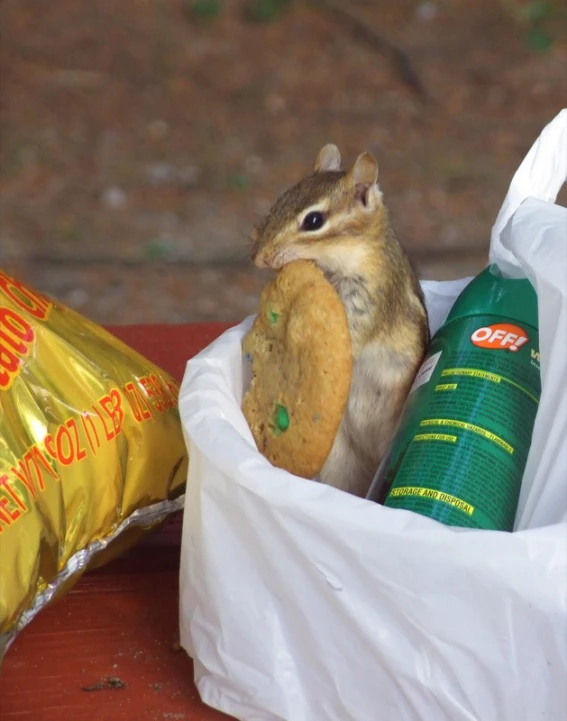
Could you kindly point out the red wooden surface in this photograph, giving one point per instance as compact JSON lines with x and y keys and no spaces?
{"x":119,"y":622}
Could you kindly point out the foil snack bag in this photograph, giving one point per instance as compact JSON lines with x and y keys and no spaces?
{"x":91,"y":450}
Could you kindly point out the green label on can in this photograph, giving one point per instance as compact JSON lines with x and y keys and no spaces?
{"x":461,"y":450}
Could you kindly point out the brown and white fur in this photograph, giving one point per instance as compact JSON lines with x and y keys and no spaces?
{"x":360,"y":255}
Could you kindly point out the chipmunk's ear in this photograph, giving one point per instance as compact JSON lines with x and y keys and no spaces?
{"x":329,"y":158}
{"x":363,"y":179}
{"x":364,"y":171}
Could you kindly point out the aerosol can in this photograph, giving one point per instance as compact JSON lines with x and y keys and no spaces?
{"x":462,"y":445}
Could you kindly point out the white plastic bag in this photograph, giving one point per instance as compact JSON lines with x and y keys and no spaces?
{"x":302,"y":603}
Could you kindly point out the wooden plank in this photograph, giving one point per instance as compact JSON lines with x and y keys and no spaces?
{"x":119,"y":622}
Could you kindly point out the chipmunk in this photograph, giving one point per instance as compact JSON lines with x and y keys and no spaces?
{"x":338,"y":219}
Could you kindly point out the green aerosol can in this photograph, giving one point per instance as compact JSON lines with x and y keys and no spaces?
{"x":461,"y":448}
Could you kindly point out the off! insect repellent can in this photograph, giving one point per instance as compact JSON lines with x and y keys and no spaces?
{"x":462,"y":445}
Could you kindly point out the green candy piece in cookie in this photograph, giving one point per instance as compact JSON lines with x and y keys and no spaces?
{"x":273,"y":317}
{"x":281,"y":419}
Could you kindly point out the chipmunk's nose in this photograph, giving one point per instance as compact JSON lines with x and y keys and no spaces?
{"x":259,"y":260}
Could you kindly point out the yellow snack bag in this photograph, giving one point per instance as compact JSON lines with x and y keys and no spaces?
{"x":91,"y":450}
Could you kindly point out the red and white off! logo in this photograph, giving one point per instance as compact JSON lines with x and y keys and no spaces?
{"x":501,"y":336}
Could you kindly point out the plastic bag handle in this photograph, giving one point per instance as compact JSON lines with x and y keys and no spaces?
{"x":540,"y":175}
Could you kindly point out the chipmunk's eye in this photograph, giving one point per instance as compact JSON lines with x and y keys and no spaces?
{"x":313,"y":221}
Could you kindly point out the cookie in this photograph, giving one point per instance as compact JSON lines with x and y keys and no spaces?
{"x":300,"y":349}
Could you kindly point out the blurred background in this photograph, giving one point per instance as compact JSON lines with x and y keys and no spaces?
{"x":142,"y":139}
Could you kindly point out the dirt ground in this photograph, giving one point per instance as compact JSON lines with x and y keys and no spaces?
{"x":140,"y":141}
